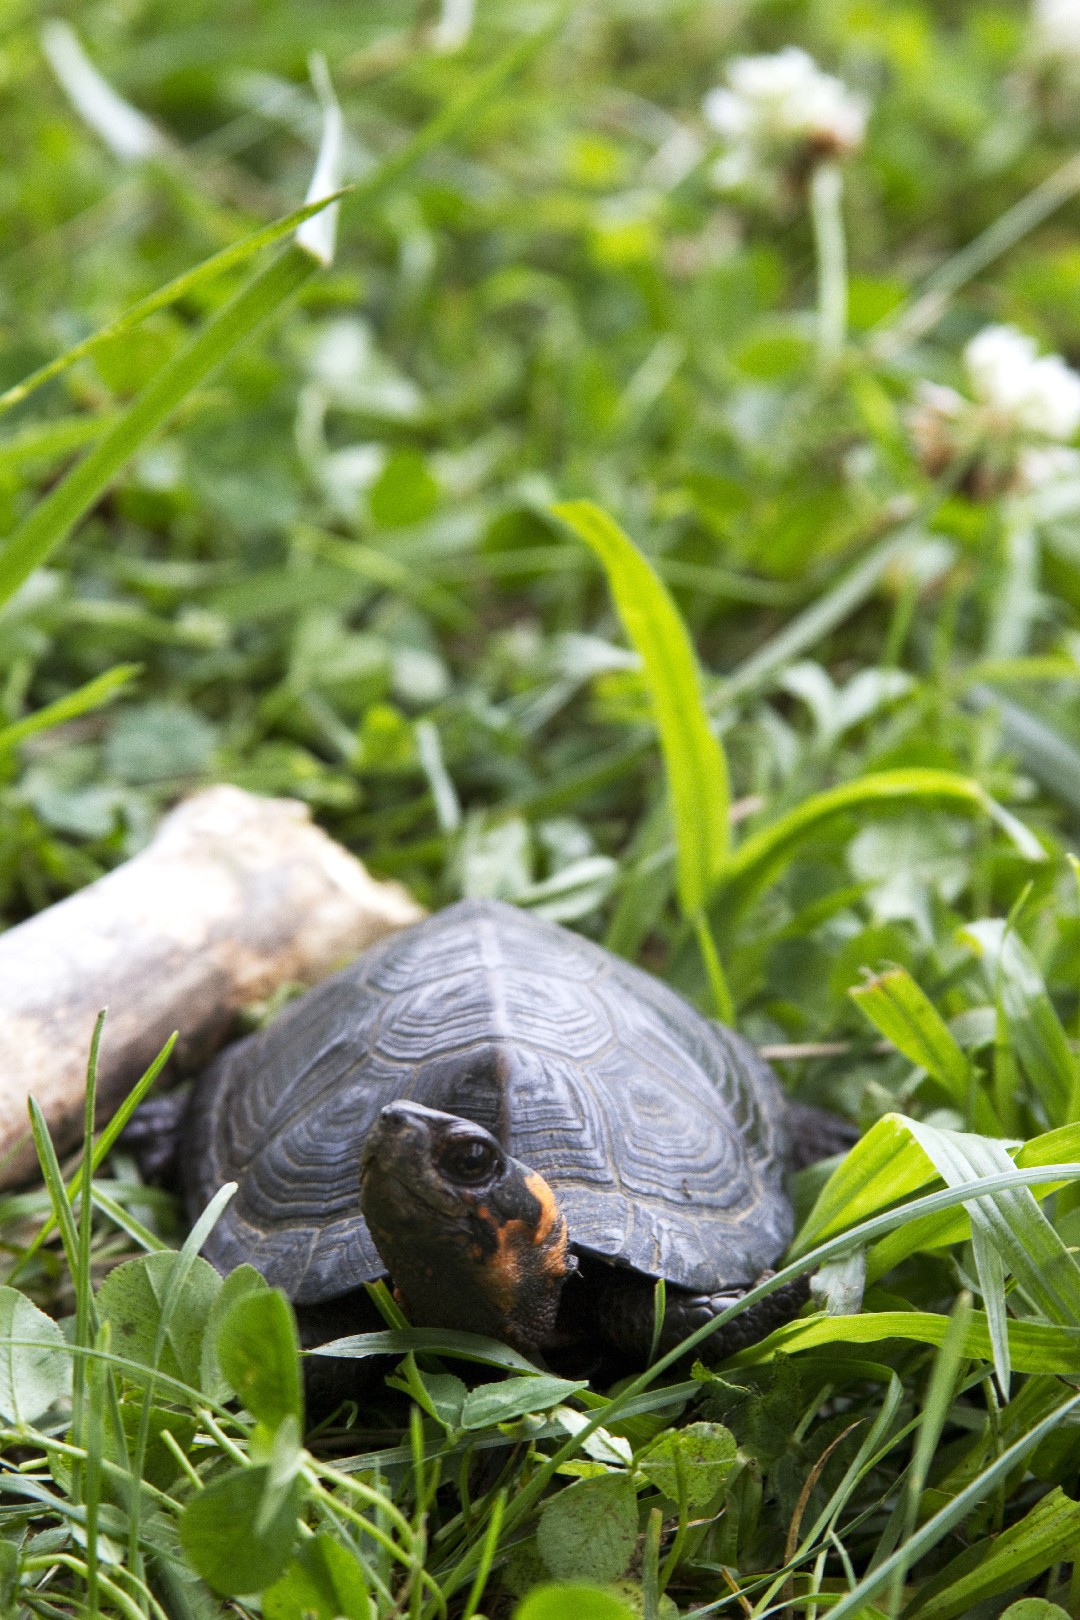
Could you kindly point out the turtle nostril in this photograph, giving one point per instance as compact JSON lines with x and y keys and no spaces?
{"x":395,"y":1117}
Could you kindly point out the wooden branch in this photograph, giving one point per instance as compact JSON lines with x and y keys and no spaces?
{"x":236,"y":896}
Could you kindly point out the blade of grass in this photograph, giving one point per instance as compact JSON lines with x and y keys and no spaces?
{"x":178,"y":1276}
{"x":230,"y":258}
{"x":1033,"y":1027}
{"x":940,"y":1231}
{"x":101,"y":1149}
{"x":1034,"y":1347}
{"x":1044,"y":1268}
{"x":935,"y":1412}
{"x":97,"y":1373}
{"x":127,"y":132}
{"x":906,"y":1016}
{"x":758,"y":859}
{"x":65,"y":1220}
{"x":53,"y":518}
{"x":85,"y":699}
{"x":880,"y":1579}
{"x":827,"y":218}
{"x":84,"y":1296}
{"x":696,"y":768}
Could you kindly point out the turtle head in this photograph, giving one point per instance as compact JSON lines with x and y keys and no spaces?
{"x":471,"y":1238}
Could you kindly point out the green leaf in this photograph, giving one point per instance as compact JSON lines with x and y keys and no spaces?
{"x":35,"y":1362}
{"x":567,"y":1601}
{"x":9,"y":1575}
{"x":157,"y":742}
{"x":440,"y":1395}
{"x":906,"y":1016}
{"x":587,"y":1532}
{"x":404,"y":492}
{"x":230,"y":1542}
{"x":160,"y":1466}
{"x":1033,"y":1026}
{"x":690,"y":1464}
{"x":758,"y":860}
{"x":884,"y":1165}
{"x":1011,"y":1220}
{"x":439,"y":1341}
{"x":237,"y":1285}
{"x":131,"y":1297}
{"x":501,"y":1403}
{"x":696,"y":768}
{"x":1034,"y":1609}
{"x":1001,"y":1563}
{"x":324,"y":1581}
{"x":953,"y":1226}
{"x":1034,"y":1347}
{"x":259,"y":1353}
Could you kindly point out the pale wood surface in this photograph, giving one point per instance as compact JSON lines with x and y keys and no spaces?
{"x":236,"y":896}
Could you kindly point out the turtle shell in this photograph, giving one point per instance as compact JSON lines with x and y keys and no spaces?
{"x":664,"y":1136}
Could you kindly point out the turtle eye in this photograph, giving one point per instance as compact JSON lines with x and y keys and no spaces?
{"x":468,"y":1160}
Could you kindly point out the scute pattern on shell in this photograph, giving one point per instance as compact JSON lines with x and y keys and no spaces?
{"x":664,"y":1136}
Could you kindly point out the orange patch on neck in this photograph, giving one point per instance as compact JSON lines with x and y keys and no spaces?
{"x":516,"y":1250}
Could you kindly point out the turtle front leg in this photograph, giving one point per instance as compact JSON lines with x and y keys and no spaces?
{"x":623,"y":1304}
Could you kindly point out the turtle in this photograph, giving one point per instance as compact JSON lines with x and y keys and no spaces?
{"x":520,"y":1130}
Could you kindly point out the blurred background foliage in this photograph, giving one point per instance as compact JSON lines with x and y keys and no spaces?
{"x":337,"y":569}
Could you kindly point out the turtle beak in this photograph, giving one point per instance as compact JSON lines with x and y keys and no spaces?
{"x":402,"y":1127}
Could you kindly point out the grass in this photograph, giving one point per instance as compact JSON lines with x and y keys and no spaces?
{"x":563,"y":540}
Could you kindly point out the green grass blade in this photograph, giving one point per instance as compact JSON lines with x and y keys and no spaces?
{"x":1003,"y":1563}
{"x":1044,"y":1267}
{"x":53,"y":518}
{"x":932,"y":1420}
{"x":54,"y":1183}
{"x":696,"y":768}
{"x":940,"y":1231}
{"x":84,"y":1294}
{"x":1034,"y":1347}
{"x":906,"y":1016}
{"x":880,"y":1579}
{"x":230,"y":258}
{"x":1033,"y":1027}
{"x":173,"y":1290}
{"x":85,"y":699}
{"x":102,"y":1147}
{"x":758,"y":860}
{"x":886,"y":1164}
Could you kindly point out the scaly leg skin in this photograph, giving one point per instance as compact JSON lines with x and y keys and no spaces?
{"x":623,"y":1306}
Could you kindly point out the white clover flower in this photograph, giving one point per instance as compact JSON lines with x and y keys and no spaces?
{"x":777,"y":108}
{"x":1023,"y":405}
{"x":1036,"y":396}
{"x":1055,"y":30}
{"x":1042,"y":465}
